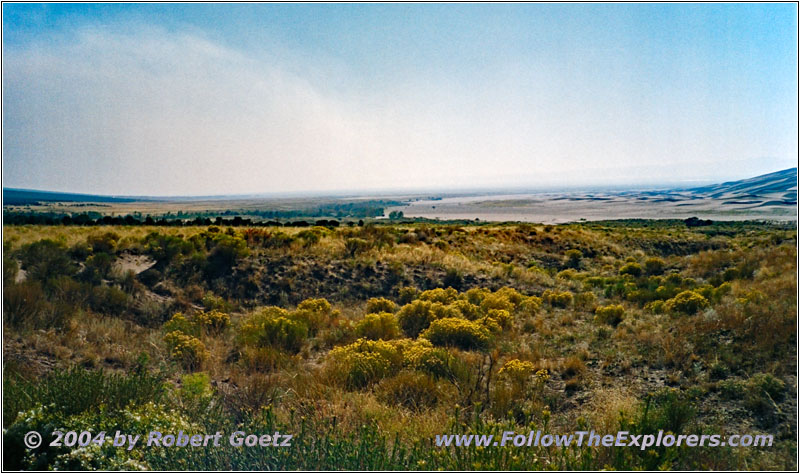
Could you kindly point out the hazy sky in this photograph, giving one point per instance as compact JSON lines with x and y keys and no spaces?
{"x":248,"y":98}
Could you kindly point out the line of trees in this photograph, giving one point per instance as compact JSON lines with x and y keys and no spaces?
{"x":22,"y":218}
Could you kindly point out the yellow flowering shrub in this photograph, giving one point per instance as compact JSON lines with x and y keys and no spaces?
{"x":378,"y":326}
{"x":439,"y":295}
{"x":686,"y":302}
{"x":314,"y":313}
{"x":212,"y":322}
{"x":516,"y":370}
{"x":458,"y":333}
{"x":188,"y":350}
{"x":465,"y":309}
{"x":502,"y":317}
{"x":381,"y":305}
{"x":611,"y":314}
{"x":363,"y":362}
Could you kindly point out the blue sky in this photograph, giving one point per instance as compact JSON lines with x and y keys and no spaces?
{"x":247,"y":98}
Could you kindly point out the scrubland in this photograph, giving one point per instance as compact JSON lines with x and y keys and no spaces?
{"x":367,"y":341}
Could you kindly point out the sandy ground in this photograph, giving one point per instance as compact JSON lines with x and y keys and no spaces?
{"x":552,"y":208}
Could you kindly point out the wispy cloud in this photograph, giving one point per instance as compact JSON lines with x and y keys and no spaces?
{"x":151,"y":111}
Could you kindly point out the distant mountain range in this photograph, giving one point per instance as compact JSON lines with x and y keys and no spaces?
{"x":20,"y":197}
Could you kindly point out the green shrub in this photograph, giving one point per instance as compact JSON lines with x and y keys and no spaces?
{"x":407,"y":294}
{"x":273,"y":327}
{"x":574,"y":257}
{"x":381,"y":305}
{"x":529,"y":306}
{"x":476,"y":295}
{"x":655,"y":307}
{"x":654,"y":266}
{"x":458,"y":333}
{"x":760,"y":384}
{"x":557,"y":299}
{"x":633,"y":269}
{"x":24,"y":304}
{"x":611,"y":314}
{"x":378,"y":326}
{"x":686,"y":302}
{"x":415,"y":317}
{"x":46,"y":259}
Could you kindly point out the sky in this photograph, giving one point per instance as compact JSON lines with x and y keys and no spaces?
{"x":206,"y":99}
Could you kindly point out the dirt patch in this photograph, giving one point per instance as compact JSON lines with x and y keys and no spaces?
{"x":135,"y":263}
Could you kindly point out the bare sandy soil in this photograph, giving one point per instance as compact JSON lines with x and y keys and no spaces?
{"x":553,"y":208}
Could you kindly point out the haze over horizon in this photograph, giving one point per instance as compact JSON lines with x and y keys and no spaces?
{"x":202,"y":99}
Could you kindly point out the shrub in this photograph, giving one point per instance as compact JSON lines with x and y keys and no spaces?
{"x":212,"y":322}
{"x":273,"y":327}
{"x":24,"y":304}
{"x":378,"y":326}
{"x":179,"y":322}
{"x":355,"y":246}
{"x":415,"y":317}
{"x":516,"y":370}
{"x":381,"y":305}
{"x":501,"y":317}
{"x":497,"y":301}
{"x":686,"y":302}
{"x":363,"y":362}
{"x":476,"y":295}
{"x":611,"y":314}
{"x":557,"y":299}
{"x":188,"y":350}
{"x":655,"y":307}
{"x":529,"y":306}
{"x":438,"y":362}
{"x":407,"y":294}
{"x":439,"y":295}
{"x":654,"y":266}
{"x":465,"y":309}
{"x":314,"y":313}
{"x":585,"y":299}
{"x":632,"y":268}
{"x":458,"y":333}
{"x":574,"y":258}
{"x":46,"y":259}
{"x":510,"y":294}
{"x":226,"y":252}
{"x":105,"y":242}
